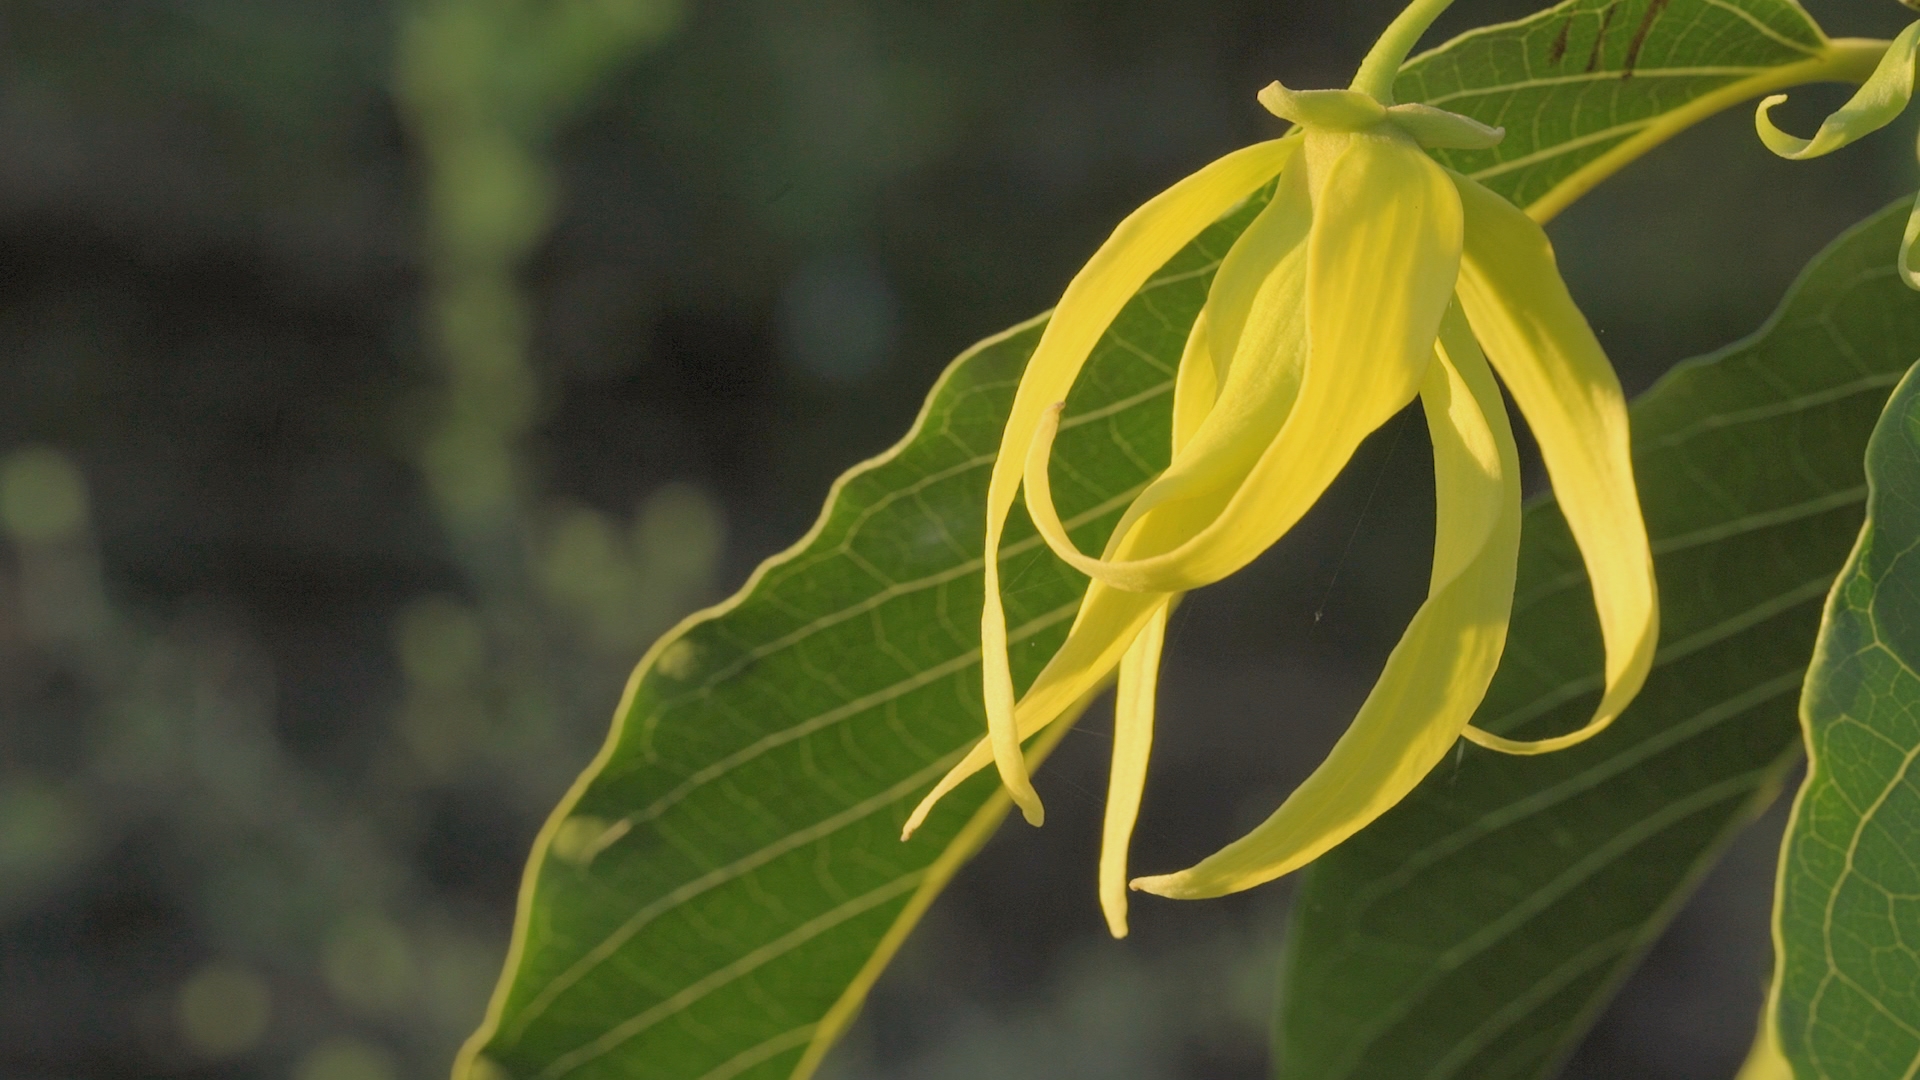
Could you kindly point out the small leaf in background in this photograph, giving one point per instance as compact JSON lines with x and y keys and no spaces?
{"x":1476,"y":931}
{"x":1846,"y":996}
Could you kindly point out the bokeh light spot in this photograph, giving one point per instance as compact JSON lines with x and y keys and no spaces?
{"x":345,"y":1058}
{"x":440,"y":644}
{"x":223,"y":1010}
{"x":369,"y":964}
{"x":43,"y":496}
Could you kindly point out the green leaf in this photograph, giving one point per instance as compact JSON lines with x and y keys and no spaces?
{"x":720,"y":888}
{"x":1846,"y":997}
{"x":1581,"y":86}
{"x":1477,"y":929}
{"x":731,"y":865}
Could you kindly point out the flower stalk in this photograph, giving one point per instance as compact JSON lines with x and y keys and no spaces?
{"x":1382,"y":63}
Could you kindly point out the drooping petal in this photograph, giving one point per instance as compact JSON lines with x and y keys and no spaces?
{"x":1438,"y":672}
{"x":1278,"y":232}
{"x":1875,"y":105}
{"x":1127,"y":778}
{"x":1476,"y":464}
{"x":1195,"y":386}
{"x":1258,"y":337}
{"x":1108,"y":622}
{"x":1139,"y":246}
{"x":1549,"y":359}
{"x":1108,"y":619}
{"x":1382,"y":260}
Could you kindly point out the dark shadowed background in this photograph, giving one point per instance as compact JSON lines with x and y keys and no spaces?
{"x":376,"y":381}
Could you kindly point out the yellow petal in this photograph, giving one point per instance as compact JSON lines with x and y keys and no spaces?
{"x":1132,"y":742}
{"x":1382,"y":259}
{"x":1253,"y":308}
{"x":1195,"y":386}
{"x":1257,"y":324}
{"x":1547,"y":355}
{"x":1872,"y":107}
{"x":1107,"y":623}
{"x":1280,"y":230}
{"x":1438,"y":672}
{"x":1139,"y":246}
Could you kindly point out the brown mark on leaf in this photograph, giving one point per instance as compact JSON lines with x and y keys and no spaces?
{"x":1640,"y":35}
{"x":1600,"y":39}
{"x":1557,"y":51}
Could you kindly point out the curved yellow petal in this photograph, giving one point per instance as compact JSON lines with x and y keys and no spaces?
{"x":1107,"y":623}
{"x":1108,"y":618}
{"x":1382,"y":260}
{"x":1195,"y":386}
{"x":1139,"y":246}
{"x":1878,"y":101}
{"x":1127,"y":779}
{"x":1549,"y":359}
{"x":1253,"y":309}
{"x":1258,"y":335}
{"x":1280,"y":230}
{"x":1439,"y":671}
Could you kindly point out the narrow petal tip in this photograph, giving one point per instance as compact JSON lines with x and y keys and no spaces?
{"x":916,"y":819}
{"x":1878,"y":101}
{"x":1168,"y":885}
{"x":1031,"y":809}
{"x":1781,"y":143}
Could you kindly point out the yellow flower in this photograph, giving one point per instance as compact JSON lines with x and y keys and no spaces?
{"x":1373,"y":275}
{"x":1876,"y":104}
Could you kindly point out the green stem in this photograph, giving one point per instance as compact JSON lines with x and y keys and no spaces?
{"x":1842,"y":60}
{"x":1377,"y":71}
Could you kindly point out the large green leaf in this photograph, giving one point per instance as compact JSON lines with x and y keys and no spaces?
{"x":731,"y":864}
{"x":719,"y":889}
{"x":1476,"y":930}
{"x":1846,"y":995}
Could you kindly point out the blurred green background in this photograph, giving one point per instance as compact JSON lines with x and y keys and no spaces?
{"x":377,"y":380}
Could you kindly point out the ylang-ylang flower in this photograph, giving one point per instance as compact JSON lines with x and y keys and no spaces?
{"x":1371,"y":277}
